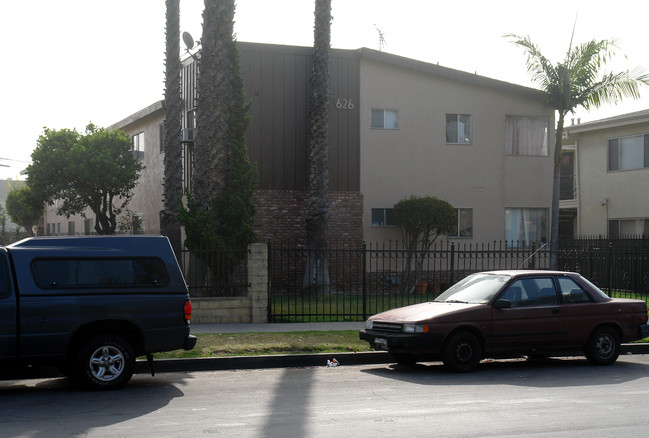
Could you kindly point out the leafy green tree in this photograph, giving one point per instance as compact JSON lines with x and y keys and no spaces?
{"x":578,"y":80}
{"x":173,"y":171}
{"x":94,"y":170}
{"x":421,"y":220}
{"x":317,"y":218}
{"x":24,"y":208}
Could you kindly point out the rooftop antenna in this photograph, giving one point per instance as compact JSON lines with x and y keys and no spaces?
{"x":382,"y":42}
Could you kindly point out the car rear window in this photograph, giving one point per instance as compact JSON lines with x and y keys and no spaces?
{"x":99,"y":273}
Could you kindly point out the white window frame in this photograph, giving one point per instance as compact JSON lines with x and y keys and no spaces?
{"x":637,"y":145}
{"x":463,"y":129}
{"x":384,"y":122}
{"x":138,"y":146}
{"x":458,"y":226}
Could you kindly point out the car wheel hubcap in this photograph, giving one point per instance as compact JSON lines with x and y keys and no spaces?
{"x":604,"y":346}
{"x":463,"y":352}
{"x":107,"y":363}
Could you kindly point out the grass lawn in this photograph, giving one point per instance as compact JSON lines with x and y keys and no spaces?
{"x":252,"y":344}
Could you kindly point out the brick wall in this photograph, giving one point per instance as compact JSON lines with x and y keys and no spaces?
{"x":281,"y":215}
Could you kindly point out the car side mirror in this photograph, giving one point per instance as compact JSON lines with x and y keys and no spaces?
{"x":503,"y":304}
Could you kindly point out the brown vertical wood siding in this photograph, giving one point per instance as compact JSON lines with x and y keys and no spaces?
{"x":276,"y":80}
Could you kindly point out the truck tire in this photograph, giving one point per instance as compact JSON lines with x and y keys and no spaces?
{"x":106,"y":362}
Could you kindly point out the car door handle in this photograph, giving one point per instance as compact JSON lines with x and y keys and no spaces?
{"x":556,"y":310}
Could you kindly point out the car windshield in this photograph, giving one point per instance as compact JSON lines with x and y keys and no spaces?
{"x":475,"y":289}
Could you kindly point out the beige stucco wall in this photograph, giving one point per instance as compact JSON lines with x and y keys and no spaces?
{"x":415,"y":160}
{"x":624,"y":190}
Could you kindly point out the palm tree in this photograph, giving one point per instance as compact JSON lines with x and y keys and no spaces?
{"x":214,"y":101}
{"x":318,"y":166}
{"x":576,"y":81}
{"x":173,"y":172}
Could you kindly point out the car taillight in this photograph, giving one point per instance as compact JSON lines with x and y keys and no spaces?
{"x":188,"y":310}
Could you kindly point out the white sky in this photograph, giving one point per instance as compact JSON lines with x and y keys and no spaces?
{"x":69,"y":62}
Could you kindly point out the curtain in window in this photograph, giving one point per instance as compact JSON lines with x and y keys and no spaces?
{"x":525,"y":225}
{"x":526,"y":135}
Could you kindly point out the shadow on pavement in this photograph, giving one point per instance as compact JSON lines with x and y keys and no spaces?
{"x":551,"y":372}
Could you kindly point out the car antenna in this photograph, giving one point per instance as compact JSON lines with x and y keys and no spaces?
{"x":531,"y":255}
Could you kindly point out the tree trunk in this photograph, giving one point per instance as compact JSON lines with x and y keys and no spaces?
{"x":173,"y":172}
{"x":317,"y":272}
{"x":556,"y":193}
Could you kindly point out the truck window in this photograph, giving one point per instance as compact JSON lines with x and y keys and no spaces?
{"x":68,"y":273}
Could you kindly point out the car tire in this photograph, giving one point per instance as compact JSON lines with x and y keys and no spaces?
{"x":603,"y":347}
{"x":105,"y":362}
{"x":462,"y":352}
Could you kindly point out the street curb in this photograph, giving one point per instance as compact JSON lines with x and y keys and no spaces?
{"x":262,"y":362}
{"x":293,"y":361}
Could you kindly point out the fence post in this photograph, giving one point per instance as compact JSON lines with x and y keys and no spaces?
{"x":609,"y":260}
{"x":268,"y":273}
{"x":452,"y":277}
{"x":364,"y":281}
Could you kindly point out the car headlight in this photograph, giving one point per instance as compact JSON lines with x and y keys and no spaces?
{"x":414,"y":328}
{"x":369,"y":324}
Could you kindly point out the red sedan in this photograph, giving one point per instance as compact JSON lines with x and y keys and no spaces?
{"x":510,"y":314}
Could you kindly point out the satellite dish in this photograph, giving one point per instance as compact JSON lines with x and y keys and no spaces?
{"x":188,"y":40}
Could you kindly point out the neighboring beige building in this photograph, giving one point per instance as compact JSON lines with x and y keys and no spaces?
{"x":608,"y":160}
{"x":398,"y":127}
{"x":480,"y":144}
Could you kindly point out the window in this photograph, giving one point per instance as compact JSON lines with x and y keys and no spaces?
{"x":71,"y":228}
{"x":87,"y":226}
{"x":97,"y":273}
{"x":162,"y":136}
{"x":526,"y":135}
{"x":383,"y":217}
{"x":464,"y":227}
{"x":571,"y":292}
{"x":628,"y":227}
{"x":526,"y":225}
{"x":384,"y":119}
{"x":531,"y":292}
{"x":458,"y":128}
{"x":628,"y":153}
{"x":138,"y":146}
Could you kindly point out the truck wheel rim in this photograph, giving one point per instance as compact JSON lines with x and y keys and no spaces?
{"x":106,"y":363}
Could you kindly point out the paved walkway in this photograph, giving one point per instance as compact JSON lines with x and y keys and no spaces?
{"x":276,"y":327}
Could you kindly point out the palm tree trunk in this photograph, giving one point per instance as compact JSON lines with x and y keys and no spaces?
{"x":211,"y":148}
{"x":317,"y":271}
{"x":173,"y":173}
{"x":556,"y":193}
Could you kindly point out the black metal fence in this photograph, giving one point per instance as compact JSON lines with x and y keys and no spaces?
{"x":362,"y":279}
{"x":210,"y":273}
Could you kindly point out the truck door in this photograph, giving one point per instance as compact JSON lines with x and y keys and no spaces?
{"x":8,"y":323}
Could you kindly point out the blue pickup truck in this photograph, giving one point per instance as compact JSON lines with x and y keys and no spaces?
{"x":91,"y":304}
